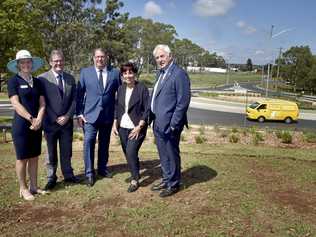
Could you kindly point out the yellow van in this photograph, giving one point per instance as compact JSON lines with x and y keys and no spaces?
{"x":272,"y":109}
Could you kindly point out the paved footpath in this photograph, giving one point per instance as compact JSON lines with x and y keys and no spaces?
{"x":211,"y":104}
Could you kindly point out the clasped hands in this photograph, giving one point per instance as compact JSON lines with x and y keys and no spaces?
{"x":36,"y":124}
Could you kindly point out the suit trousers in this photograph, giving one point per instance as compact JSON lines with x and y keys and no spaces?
{"x":130,"y":148}
{"x":169,"y":154}
{"x":91,"y":130}
{"x":62,"y":135}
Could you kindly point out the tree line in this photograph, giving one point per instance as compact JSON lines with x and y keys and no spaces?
{"x":79,"y":26}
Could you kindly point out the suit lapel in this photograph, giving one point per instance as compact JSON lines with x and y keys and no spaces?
{"x":165,"y":79}
{"x":52,"y":79}
{"x":95,"y":77}
{"x":134,"y":96}
{"x":108,"y":80}
{"x":122,"y":96}
{"x":67,"y":85}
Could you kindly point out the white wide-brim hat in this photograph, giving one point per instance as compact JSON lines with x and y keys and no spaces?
{"x":24,"y":54}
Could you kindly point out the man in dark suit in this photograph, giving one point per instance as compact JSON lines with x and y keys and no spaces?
{"x":59,"y":90}
{"x":95,"y":109}
{"x":169,"y":104}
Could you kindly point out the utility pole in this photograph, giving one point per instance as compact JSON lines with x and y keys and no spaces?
{"x":268,"y":76}
{"x":227,"y":74}
{"x":262,"y":76}
{"x":278,"y":70}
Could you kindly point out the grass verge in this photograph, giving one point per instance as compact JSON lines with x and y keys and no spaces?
{"x":228,"y":190}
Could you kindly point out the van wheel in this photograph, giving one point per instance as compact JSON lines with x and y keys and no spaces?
{"x":261,"y":119}
{"x":288,"y":120}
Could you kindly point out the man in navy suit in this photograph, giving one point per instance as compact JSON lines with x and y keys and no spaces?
{"x":59,"y":88}
{"x":169,"y":104}
{"x":95,"y":110}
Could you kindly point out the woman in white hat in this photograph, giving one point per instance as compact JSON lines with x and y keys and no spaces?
{"x":29,"y":105}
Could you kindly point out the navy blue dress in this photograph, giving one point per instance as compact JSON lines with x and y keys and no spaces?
{"x":27,"y":142}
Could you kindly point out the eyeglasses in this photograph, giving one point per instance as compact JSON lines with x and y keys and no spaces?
{"x":58,"y":61}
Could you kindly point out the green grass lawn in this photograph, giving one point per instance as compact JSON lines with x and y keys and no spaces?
{"x":208,"y":79}
{"x":4,"y":96}
{"x":228,"y":190}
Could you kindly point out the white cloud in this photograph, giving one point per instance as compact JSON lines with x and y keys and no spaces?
{"x":212,"y":7}
{"x":246,"y":28}
{"x":258,"y":52}
{"x":152,"y":9}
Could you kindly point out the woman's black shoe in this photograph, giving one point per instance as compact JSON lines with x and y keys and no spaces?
{"x":133,"y":186}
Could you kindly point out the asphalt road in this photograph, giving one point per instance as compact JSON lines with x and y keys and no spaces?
{"x":212,"y":117}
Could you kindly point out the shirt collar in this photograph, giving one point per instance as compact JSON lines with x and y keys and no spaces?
{"x":166,"y":68}
{"x":104,"y":70}
{"x":56,"y":74}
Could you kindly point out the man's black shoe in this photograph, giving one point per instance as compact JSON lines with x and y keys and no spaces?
{"x":106,"y":175}
{"x":158,"y":187}
{"x":72,"y":179}
{"x":168,"y":192}
{"x":90,"y":181}
{"x":50,"y":185}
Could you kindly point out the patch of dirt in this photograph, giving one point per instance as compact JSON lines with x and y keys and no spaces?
{"x":112,"y":202}
{"x":301,"y":202}
{"x":282,"y":191}
{"x":28,"y":213}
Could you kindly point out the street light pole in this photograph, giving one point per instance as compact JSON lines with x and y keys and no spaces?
{"x":268,"y":76}
{"x":227,"y":74}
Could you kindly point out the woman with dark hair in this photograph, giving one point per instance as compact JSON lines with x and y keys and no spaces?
{"x":131,"y":113}
{"x":29,"y":106}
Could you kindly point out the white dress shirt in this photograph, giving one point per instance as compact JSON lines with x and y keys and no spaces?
{"x":104,"y":75}
{"x":62,"y":77}
{"x":126,"y":121}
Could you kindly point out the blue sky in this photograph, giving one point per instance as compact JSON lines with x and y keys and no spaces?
{"x":235,"y":29}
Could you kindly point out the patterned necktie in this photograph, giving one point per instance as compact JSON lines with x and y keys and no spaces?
{"x":101,"y":80}
{"x":60,"y":85}
{"x":157,"y":88}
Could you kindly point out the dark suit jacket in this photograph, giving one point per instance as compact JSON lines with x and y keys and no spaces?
{"x":55,"y":104}
{"x":91,"y":100}
{"x":172,"y":100}
{"x":138,"y":108}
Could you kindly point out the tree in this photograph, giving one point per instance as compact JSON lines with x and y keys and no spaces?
{"x":298,"y":62}
{"x":312,"y":77}
{"x":16,"y":32}
{"x":249,"y":65}
{"x":143,"y":35}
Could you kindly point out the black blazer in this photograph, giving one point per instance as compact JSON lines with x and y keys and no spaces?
{"x":138,"y":108}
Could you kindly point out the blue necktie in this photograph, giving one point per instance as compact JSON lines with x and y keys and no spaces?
{"x":60,"y":85}
{"x":101,"y":80}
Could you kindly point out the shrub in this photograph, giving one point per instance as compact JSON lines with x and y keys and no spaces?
{"x":233,"y":138}
{"x":216,"y":128}
{"x":257,"y":137}
{"x":200,"y":139}
{"x":234,"y":130}
{"x":278,"y":134}
{"x":286,"y":137}
{"x":309,"y":137}
{"x":224,"y":133}
{"x":202,"y":130}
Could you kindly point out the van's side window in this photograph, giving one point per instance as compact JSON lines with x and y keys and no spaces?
{"x":263,"y":106}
